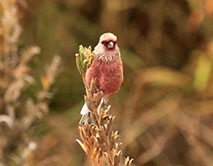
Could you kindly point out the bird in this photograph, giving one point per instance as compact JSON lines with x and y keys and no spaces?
{"x":106,"y":68}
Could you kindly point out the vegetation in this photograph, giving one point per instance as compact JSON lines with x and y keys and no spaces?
{"x":19,"y":111}
{"x":164,"y":109}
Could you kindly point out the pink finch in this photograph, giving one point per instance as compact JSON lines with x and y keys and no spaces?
{"x":106,"y":68}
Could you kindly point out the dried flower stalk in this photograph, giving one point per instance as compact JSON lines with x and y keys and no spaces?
{"x":98,"y":140}
{"x":18,"y":111}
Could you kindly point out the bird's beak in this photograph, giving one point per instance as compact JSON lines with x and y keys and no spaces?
{"x":111,"y":44}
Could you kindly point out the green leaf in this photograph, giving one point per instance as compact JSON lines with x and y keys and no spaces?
{"x":81,"y":52}
{"x":84,"y":58}
{"x":79,"y":64}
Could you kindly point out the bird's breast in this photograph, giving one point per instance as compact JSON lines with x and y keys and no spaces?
{"x":108,"y":74}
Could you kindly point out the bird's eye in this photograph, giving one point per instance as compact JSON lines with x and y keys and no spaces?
{"x":102,"y":42}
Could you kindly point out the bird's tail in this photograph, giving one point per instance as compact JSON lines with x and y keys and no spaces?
{"x":85,"y":112}
{"x":84,"y":118}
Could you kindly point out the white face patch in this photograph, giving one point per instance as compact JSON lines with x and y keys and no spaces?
{"x":106,"y":54}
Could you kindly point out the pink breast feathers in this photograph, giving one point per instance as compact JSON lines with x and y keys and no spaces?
{"x":109,"y":75}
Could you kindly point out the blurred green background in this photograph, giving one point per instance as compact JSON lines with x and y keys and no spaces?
{"x":164,"y":109}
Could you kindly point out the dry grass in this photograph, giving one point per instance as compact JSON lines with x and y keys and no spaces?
{"x":18,"y":110}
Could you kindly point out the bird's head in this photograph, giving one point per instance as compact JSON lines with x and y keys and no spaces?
{"x":108,"y":40}
{"x":107,"y":48}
